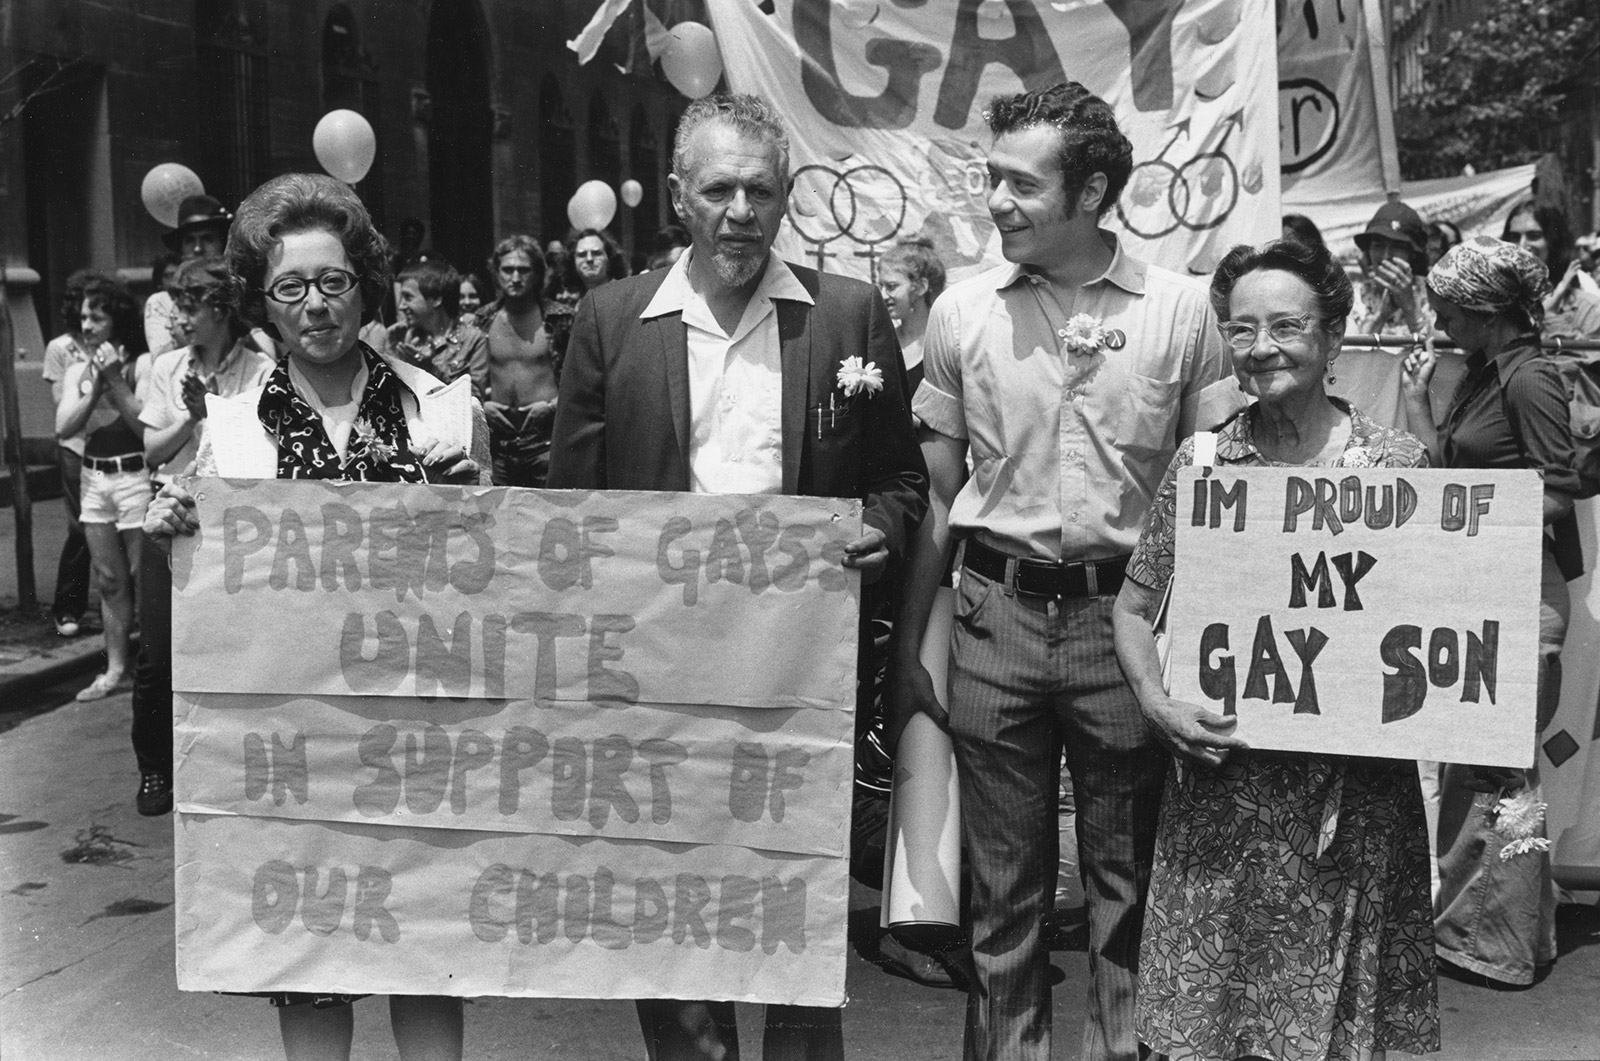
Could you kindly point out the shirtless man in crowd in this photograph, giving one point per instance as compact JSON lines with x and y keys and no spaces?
{"x":522,"y":371}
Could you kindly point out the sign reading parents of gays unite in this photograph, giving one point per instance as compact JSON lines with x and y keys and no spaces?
{"x":484,"y":741}
{"x":1373,"y":611}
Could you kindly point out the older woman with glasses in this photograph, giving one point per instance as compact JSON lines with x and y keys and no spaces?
{"x":1289,"y":910}
{"x":304,"y":255}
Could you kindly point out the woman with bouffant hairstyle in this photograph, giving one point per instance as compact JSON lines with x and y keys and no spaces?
{"x":306,"y":258}
{"x":304,"y":202}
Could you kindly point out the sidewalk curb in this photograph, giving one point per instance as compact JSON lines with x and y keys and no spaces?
{"x":81,"y":661}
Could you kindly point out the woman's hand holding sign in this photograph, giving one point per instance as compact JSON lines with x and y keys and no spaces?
{"x":171,"y":511}
{"x":1192,"y":731}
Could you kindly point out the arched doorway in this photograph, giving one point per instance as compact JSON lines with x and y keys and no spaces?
{"x":349,"y":82}
{"x":646,"y":159}
{"x":459,"y":175}
{"x":231,"y":102}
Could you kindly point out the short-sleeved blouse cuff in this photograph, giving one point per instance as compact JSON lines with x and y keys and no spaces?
{"x":940,"y":411}
{"x":1563,"y":480}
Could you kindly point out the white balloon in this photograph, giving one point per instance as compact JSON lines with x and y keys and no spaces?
{"x":632,"y":193}
{"x":165,"y":188}
{"x":345,"y":145}
{"x":691,"y":60}
{"x":593,"y":205}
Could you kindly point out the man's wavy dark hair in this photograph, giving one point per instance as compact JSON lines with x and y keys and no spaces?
{"x":108,"y":294}
{"x":1091,"y":142}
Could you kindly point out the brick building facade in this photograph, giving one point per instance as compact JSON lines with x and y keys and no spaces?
{"x":485,"y":122}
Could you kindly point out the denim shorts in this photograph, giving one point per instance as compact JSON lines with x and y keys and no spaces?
{"x":115,"y":497}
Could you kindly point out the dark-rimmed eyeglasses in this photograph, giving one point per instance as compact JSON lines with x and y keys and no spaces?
{"x":1285,"y":331}
{"x":333,"y":283}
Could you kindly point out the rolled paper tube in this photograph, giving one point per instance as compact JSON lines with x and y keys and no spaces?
{"x":922,"y":852}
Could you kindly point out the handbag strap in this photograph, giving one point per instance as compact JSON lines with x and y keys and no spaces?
{"x":1205,"y":455}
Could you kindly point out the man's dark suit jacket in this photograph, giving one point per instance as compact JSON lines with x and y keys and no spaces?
{"x":622,"y":422}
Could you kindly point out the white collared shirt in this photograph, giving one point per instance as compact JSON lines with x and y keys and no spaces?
{"x":735,"y":382}
{"x":337,"y":420}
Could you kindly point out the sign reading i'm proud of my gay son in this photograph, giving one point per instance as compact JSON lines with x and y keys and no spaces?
{"x":1371,"y":611}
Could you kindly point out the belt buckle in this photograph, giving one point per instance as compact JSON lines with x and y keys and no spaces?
{"x":1091,"y":580}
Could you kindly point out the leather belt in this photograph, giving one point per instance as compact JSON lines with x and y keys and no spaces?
{"x":130,"y":462}
{"x":1042,"y":578}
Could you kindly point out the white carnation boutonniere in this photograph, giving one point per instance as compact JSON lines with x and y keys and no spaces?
{"x":1084,"y":334}
{"x":365,"y":436}
{"x":1517,"y":819}
{"x":855,"y":377}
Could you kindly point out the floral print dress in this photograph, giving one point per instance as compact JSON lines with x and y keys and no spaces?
{"x":1262,"y":937}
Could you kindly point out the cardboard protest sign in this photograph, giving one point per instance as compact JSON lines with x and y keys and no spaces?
{"x":268,"y":904}
{"x":1371,"y":611}
{"x":458,"y":740}
{"x":694,"y":775}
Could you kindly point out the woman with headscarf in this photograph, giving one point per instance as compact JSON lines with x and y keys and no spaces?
{"x":1496,"y":914}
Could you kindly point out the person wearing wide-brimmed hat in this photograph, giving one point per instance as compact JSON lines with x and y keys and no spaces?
{"x":201,"y":232}
{"x":1393,"y":297}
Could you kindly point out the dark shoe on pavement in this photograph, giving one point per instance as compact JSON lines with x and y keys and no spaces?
{"x":155,"y":793}
{"x":956,"y":958}
{"x":897,"y":959}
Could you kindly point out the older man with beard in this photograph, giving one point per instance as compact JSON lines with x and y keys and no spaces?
{"x":719,"y":375}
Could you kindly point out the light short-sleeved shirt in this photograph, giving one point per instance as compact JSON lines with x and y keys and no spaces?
{"x":735,"y":382}
{"x":160,"y":318}
{"x":1576,"y":317}
{"x":241,"y":369}
{"x":1068,"y":448}
{"x":60,"y":354}
{"x":1373,"y":316}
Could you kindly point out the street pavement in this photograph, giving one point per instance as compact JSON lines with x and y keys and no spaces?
{"x":86,"y":893}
